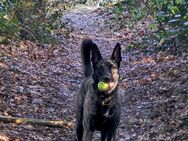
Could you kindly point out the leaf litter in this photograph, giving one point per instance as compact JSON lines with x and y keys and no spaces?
{"x":42,"y":82}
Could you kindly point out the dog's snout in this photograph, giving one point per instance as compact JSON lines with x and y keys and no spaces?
{"x":107,"y":78}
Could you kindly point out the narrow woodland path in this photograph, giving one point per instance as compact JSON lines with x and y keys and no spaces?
{"x":43,"y":83}
{"x":151,"y":100}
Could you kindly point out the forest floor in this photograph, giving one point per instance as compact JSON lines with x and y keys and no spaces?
{"x":42,"y":82}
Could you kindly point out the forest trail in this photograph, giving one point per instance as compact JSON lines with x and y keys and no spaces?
{"x":151,"y":91}
{"x":153,"y":88}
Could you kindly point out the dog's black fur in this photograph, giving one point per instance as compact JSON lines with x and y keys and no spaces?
{"x":98,"y":110}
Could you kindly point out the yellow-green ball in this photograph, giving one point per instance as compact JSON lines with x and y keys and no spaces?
{"x":102,"y":86}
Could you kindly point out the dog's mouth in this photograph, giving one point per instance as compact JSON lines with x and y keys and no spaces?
{"x":112,"y":85}
{"x":108,"y":86}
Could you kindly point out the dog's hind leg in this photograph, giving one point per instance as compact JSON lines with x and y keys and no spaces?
{"x":79,"y":118}
{"x":79,"y":132}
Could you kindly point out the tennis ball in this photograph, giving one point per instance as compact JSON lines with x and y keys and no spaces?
{"x":102,"y":86}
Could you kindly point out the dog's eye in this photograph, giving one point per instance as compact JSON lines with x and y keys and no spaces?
{"x":101,"y":67}
{"x":112,"y":66}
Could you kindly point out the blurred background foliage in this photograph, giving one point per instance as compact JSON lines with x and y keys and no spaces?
{"x":168,"y":19}
{"x":33,"y":20}
{"x":37,"y":20}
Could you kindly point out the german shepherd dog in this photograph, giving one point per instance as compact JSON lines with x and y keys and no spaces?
{"x":98,"y":110}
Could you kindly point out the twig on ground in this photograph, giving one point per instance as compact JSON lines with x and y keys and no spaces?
{"x":50,"y":123}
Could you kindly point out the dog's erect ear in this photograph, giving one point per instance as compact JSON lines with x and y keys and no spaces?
{"x":116,"y":55}
{"x":96,"y":55}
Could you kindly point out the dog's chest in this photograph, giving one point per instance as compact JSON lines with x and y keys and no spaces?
{"x":106,"y":113}
{"x":102,"y":118}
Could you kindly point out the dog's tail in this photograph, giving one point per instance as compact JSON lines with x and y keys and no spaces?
{"x":86,"y":48}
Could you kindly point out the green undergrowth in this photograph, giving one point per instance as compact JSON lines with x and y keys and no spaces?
{"x":29,"y":20}
{"x":168,"y":22}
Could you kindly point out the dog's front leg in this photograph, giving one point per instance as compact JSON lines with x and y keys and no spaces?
{"x":88,"y":128}
{"x":103,"y":136}
{"x":87,"y":135}
{"x":89,"y":116}
{"x":88,"y":125}
{"x":111,"y":137}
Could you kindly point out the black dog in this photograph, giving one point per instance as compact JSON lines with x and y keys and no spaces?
{"x":98,"y":110}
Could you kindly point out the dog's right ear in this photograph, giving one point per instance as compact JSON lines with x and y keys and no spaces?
{"x":96,"y":55}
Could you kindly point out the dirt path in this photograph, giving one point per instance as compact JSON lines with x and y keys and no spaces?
{"x":43,"y":85}
{"x":88,"y":22}
{"x":152,"y":93}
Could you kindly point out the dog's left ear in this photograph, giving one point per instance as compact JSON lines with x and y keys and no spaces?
{"x":116,"y":55}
